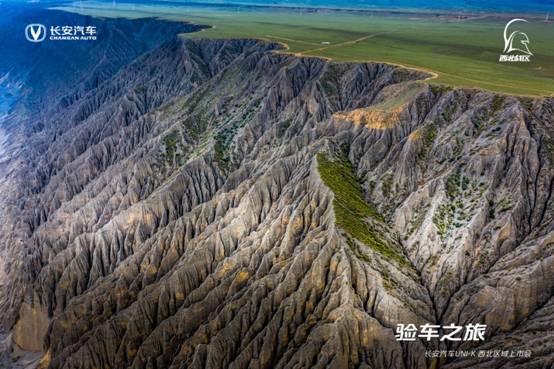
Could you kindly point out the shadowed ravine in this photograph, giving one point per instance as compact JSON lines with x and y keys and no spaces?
{"x":215,"y":204}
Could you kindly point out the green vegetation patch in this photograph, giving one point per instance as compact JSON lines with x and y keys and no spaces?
{"x":462,"y":196}
{"x":418,"y":218}
{"x":400,"y":93}
{"x":330,"y":80}
{"x":173,"y":147}
{"x":429,"y":136}
{"x":505,"y":204}
{"x":386,"y":184}
{"x":456,"y":183}
{"x":225,"y":135}
{"x":463,"y":53}
{"x":353,"y":213}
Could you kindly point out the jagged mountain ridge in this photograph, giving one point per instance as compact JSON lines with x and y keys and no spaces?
{"x":45,"y":79}
{"x":206,"y":213}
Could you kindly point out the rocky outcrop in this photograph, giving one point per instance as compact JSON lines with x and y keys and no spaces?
{"x":46,"y":81}
{"x":217,"y":204}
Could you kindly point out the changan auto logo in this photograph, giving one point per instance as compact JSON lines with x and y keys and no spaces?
{"x":35,"y":32}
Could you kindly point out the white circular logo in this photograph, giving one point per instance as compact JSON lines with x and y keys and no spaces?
{"x":35,"y":32}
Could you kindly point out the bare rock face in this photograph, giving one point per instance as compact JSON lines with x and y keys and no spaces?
{"x":217,"y":204}
{"x":30,"y":330}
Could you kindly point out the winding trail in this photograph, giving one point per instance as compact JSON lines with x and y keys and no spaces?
{"x":433,"y":74}
{"x":305,"y":53}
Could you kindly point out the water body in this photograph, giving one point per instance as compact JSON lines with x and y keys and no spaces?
{"x":507,"y":6}
{"x":515,"y":6}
